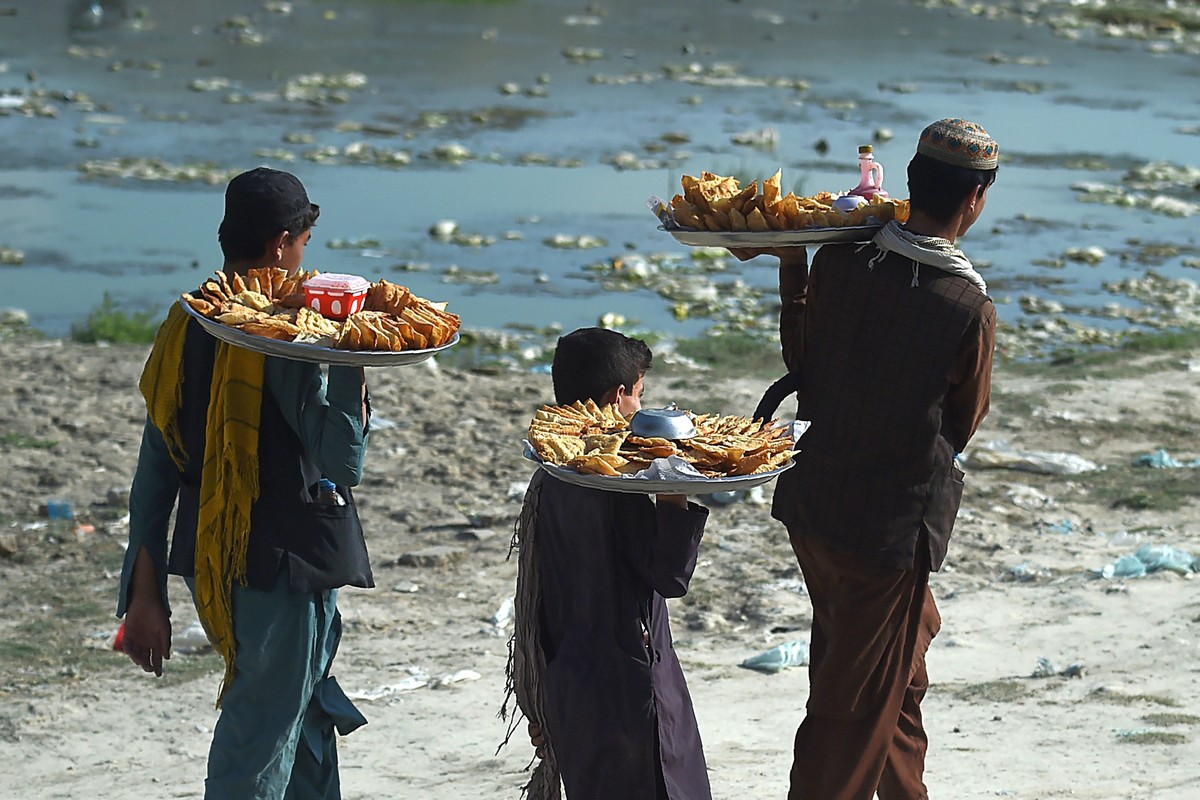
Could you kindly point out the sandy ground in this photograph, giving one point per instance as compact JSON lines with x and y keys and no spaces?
{"x":438,"y":501}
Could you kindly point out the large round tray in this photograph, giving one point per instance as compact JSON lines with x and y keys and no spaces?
{"x":299,"y":351}
{"x":758,"y":239}
{"x":610,"y":483}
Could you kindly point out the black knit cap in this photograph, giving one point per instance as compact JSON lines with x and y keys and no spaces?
{"x":265,"y":199}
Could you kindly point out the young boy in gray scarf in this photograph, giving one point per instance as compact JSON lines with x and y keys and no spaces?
{"x":592,"y":664}
{"x":889,"y":350}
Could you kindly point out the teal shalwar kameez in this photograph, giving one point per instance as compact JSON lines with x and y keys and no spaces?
{"x":275,"y":738}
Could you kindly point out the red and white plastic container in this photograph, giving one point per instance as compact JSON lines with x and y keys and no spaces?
{"x":336,"y":296}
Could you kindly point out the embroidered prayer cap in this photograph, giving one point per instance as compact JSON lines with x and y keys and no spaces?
{"x":265,"y":199}
{"x":961,"y":143}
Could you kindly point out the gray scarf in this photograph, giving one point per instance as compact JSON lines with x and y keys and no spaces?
{"x":931,"y":250}
{"x":525,"y":672}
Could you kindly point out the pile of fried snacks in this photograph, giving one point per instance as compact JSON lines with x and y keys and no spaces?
{"x":589,"y":438}
{"x":717,"y":203}
{"x":268,"y":302}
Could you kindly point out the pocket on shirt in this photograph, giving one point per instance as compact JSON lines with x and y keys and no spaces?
{"x":945,"y":497}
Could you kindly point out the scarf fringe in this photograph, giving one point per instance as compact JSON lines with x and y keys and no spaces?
{"x":526,"y":668}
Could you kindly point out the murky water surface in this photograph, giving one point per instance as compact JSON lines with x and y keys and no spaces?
{"x":533,"y":123}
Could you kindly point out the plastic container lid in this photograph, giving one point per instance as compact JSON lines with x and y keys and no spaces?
{"x":337,"y":282}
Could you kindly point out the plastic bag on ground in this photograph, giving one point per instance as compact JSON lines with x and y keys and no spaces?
{"x":1000,"y":454}
{"x":788,"y":654}
{"x":1152,"y":558}
{"x":1161,"y":459}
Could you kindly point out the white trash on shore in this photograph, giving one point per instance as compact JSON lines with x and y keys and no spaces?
{"x":999,"y":454}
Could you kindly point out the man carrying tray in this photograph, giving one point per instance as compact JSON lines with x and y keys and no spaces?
{"x":889,"y":348}
{"x":241,"y":443}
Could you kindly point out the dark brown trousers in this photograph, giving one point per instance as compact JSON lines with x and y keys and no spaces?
{"x":871,"y":629}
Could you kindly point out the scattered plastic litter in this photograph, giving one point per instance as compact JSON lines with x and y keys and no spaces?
{"x":1161,"y":459}
{"x":1028,"y":497}
{"x":416,"y":681}
{"x":1027,"y":572}
{"x":1134,"y":733}
{"x":1124,"y":567}
{"x":504,"y":614}
{"x":722,"y":498}
{"x":457,"y":677}
{"x":1063,"y":526}
{"x":753,"y":496}
{"x":1000,"y":454}
{"x":1123,"y":539}
{"x":788,"y":654}
{"x":191,"y":639}
{"x":1048,"y":669}
{"x":1151,"y":558}
{"x":59,"y":509}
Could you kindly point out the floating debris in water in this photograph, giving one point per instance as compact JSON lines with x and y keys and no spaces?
{"x":275,"y":154}
{"x":1168,"y":205}
{"x":318,"y":88}
{"x":154,"y":169}
{"x":583,"y":54}
{"x":725,"y":75}
{"x":353,"y":244}
{"x":1180,"y":297}
{"x":627,"y":79}
{"x":766,"y":139}
{"x":215,"y":84}
{"x":239,"y":30}
{"x":11,"y":256}
{"x":899,"y":88}
{"x":564,"y":241}
{"x":443,"y":229}
{"x":1025,"y":61}
{"x":626,"y":160}
{"x":1086,"y":255}
{"x":452,"y":152}
{"x":80,"y":52}
{"x":447,"y":230}
{"x":360,"y":153}
{"x":470,"y":277}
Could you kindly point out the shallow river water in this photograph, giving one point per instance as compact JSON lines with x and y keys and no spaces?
{"x":528,"y":120}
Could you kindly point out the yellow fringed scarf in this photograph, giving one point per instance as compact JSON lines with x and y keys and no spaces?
{"x":229,"y":478}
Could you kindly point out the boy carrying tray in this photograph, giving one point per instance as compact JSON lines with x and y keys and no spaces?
{"x":236,"y":442}
{"x":593,"y":667}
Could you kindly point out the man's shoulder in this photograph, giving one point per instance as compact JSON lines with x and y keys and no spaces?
{"x":838,"y":251}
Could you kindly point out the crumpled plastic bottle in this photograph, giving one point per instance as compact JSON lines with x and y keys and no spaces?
{"x":788,"y":654}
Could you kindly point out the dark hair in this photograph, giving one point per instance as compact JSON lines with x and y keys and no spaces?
{"x":938,"y":188}
{"x":248,"y":241}
{"x":590,"y":362}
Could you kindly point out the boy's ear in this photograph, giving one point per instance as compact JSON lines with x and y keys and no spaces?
{"x":274,"y":247}
{"x":612,"y":395}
